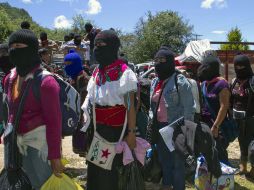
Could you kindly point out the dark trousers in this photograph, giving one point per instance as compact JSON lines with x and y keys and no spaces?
{"x":246,"y":135}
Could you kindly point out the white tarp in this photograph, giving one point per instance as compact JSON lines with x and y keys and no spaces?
{"x":197,"y":50}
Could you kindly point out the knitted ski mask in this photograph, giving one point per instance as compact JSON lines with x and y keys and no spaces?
{"x":27,"y":58}
{"x":105,"y":55}
{"x":164,"y":69}
{"x":245,"y":71}
{"x":5,"y":64}
{"x":73,"y":64}
{"x":209,"y":69}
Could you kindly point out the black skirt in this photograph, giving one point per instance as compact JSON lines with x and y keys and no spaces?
{"x":99,"y":178}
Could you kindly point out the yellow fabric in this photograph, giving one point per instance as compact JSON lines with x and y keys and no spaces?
{"x":64,"y":183}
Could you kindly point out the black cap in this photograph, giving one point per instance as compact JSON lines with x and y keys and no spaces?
{"x":24,"y":36}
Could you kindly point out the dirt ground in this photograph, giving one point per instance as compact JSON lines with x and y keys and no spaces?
{"x":77,"y":166}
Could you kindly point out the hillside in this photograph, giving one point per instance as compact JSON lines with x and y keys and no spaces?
{"x":11,"y":17}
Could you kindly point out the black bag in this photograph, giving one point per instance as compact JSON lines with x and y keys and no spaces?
{"x":13,"y":177}
{"x":152,"y":169}
{"x":131,"y":177}
{"x":14,"y":180}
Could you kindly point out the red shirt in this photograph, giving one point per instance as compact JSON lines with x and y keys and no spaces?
{"x":36,"y":113}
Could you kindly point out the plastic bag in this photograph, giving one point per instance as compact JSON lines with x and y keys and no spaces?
{"x":64,"y":183}
{"x":131,"y":177}
{"x":14,"y":180}
{"x":205,"y":181}
{"x":152,"y":169}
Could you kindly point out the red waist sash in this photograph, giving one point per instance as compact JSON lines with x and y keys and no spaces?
{"x":110,"y":116}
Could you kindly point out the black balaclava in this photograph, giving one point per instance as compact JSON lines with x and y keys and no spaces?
{"x":105,"y":55}
{"x":244,"y":61}
{"x":66,"y":38}
{"x":43,"y":36}
{"x":165,"y":70}
{"x":209,"y":69}
{"x":5,"y":63}
{"x":77,"y":40}
{"x":25,"y":59}
{"x":71,"y":35}
{"x":88,"y":27}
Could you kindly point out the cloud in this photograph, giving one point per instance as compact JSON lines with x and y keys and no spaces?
{"x":31,"y":1}
{"x":69,"y":1}
{"x":94,"y":7}
{"x":62,"y":22}
{"x":219,"y":32}
{"x":27,"y":1}
{"x":208,"y":4}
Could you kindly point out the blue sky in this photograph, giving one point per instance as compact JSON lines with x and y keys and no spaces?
{"x":210,"y":18}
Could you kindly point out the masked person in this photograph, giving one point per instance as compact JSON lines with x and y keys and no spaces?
{"x":216,"y":96}
{"x":242,"y":101}
{"x":111,"y":92}
{"x":79,"y":80}
{"x":5,"y":64}
{"x":39,"y":129}
{"x":5,"y":68}
{"x":171,"y":98}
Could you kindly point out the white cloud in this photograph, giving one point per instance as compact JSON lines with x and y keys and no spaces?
{"x":94,"y":7}
{"x":27,"y":1}
{"x":62,"y":22}
{"x":219,"y":32}
{"x":69,"y":1}
{"x":208,"y":4}
{"x":31,"y":1}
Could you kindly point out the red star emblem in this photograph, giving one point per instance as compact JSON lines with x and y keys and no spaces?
{"x":105,"y":153}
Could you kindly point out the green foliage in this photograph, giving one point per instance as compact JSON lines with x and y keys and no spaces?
{"x":234,"y":35}
{"x":5,"y":27}
{"x":152,"y":31}
{"x":78,"y":25}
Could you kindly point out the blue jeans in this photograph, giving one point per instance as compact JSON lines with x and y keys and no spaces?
{"x":173,"y":166}
{"x":36,"y":169}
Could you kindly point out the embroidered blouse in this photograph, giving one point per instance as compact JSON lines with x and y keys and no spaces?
{"x":111,"y":84}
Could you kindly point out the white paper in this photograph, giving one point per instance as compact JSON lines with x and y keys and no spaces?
{"x":8,"y":129}
{"x":167,"y":135}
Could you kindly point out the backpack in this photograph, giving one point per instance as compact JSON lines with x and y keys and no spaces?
{"x":69,"y":101}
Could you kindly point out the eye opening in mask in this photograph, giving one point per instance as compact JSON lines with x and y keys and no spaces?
{"x":239,"y":67}
{"x":100,"y":44}
{"x":18,"y":45}
{"x":160,"y":60}
{"x":67,"y":62}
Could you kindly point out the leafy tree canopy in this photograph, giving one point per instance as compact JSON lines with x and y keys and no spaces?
{"x":234,"y":35}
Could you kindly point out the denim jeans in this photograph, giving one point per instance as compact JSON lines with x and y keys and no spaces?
{"x":36,"y":169}
{"x":173,"y":166}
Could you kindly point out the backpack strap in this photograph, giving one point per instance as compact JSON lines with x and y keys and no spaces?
{"x":39,"y":75}
{"x":21,"y":104}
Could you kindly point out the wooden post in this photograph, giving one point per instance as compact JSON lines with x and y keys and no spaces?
{"x":226,"y":66}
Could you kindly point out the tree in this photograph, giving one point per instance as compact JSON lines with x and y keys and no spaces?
{"x":152,"y":31}
{"x":78,"y":24}
{"x":5,"y":26}
{"x":234,"y":35}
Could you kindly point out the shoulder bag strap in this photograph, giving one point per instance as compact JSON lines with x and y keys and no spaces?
{"x":158,"y":103}
{"x":94,"y":113}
